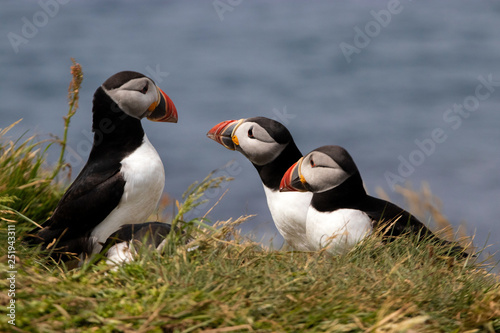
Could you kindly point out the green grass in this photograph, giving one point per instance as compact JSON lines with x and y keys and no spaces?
{"x":230,"y":283}
{"x":25,"y":186}
{"x":27,"y":189}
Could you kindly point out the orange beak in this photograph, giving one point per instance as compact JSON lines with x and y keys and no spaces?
{"x":222,"y":133}
{"x":163,"y":110}
{"x":293,"y":180}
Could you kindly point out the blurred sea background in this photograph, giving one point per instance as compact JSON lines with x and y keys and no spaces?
{"x":303,"y":63}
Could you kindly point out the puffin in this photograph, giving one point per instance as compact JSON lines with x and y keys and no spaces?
{"x":269,"y":146}
{"x":123,"y":178}
{"x":121,"y":246}
{"x":341,"y":213}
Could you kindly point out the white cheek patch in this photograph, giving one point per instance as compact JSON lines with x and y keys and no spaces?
{"x":325,"y":174}
{"x":323,"y":179}
{"x":133,"y":102}
{"x":127,"y":102}
{"x":261,"y":153}
{"x":260,"y":149}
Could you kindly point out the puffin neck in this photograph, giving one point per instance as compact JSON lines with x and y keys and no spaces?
{"x":271,"y":173}
{"x":346,"y":195}
{"x":111,"y":125}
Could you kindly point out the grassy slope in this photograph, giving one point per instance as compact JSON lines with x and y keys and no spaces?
{"x":237,"y":284}
{"x":230,"y":283}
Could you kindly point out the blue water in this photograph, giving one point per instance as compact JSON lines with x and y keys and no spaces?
{"x":281,"y":60}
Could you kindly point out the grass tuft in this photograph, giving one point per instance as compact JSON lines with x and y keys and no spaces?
{"x":234,"y":283}
{"x":28,"y":192}
{"x":229,"y":283}
{"x":26,"y":188}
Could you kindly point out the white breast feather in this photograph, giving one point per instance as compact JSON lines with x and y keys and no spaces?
{"x":145,"y":177}
{"x":339,"y":230}
{"x":289,"y":212}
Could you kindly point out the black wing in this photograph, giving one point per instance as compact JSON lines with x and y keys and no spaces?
{"x":385,"y":213}
{"x":396,"y":221}
{"x":93,"y":195}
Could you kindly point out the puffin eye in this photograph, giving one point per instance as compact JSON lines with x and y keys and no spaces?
{"x":145,"y":89}
{"x":250,"y":133}
{"x":312,"y":163}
